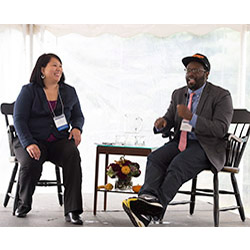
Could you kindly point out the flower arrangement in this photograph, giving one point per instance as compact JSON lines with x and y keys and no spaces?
{"x":123,"y":170}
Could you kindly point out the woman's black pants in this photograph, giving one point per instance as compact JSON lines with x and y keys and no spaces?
{"x":63,"y":153}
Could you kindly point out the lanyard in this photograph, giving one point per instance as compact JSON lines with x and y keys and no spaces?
{"x":61,"y":104}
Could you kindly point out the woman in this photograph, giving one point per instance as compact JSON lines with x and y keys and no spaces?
{"x":48,"y":120}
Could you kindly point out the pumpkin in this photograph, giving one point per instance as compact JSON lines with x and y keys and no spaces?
{"x":136,"y":188}
{"x":108,"y":186}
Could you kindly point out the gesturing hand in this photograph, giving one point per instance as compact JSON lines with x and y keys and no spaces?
{"x":184,"y":112}
{"x":160,"y":123}
{"x":34,"y":151}
{"x":76,"y":134}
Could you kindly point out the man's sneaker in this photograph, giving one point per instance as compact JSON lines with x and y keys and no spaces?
{"x":139,"y":220}
{"x":149,"y":205}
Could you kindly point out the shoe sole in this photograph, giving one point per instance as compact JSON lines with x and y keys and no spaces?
{"x":136,"y":222}
{"x":67,"y":219}
{"x":148,"y":208}
{"x":20,"y":215}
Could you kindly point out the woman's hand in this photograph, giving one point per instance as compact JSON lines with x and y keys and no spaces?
{"x":76,"y":134}
{"x":34,"y":151}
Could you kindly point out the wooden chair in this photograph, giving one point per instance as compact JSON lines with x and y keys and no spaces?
{"x":7,"y":111}
{"x":236,"y":143}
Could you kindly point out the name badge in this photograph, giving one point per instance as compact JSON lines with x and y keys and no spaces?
{"x":61,"y":122}
{"x":185,"y":126}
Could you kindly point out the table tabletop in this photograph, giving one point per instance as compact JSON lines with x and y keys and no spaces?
{"x":124,"y":149}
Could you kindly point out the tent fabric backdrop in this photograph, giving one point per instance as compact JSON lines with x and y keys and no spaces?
{"x":116,"y":69}
{"x":129,"y":30}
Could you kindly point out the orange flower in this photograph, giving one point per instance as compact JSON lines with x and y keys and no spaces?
{"x":125,"y":170}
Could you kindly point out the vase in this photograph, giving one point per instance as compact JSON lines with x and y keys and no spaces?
{"x":124,"y":184}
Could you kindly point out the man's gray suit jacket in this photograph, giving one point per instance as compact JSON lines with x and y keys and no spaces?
{"x":215,"y":111}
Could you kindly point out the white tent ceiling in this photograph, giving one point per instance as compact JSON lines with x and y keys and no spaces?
{"x":126,"y":30}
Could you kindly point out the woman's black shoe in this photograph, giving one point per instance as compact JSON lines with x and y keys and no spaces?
{"x":74,"y":218}
{"x":21,"y":213}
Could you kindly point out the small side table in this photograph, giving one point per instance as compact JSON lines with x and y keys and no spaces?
{"x":114,"y":150}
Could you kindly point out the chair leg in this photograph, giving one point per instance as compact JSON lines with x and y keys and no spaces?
{"x":59,"y":185}
{"x":237,"y":197}
{"x":15,"y":205}
{"x":216,"y":200}
{"x":192,"y":198}
{"x":11,"y":183}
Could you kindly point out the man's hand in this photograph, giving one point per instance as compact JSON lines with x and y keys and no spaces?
{"x":76,"y":134}
{"x":160,"y":123}
{"x":34,"y":151}
{"x":184,"y":112}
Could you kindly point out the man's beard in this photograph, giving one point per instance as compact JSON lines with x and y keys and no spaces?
{"x":194,"y":83}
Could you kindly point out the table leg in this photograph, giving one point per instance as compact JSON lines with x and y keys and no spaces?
{"x":105,"y":182}
{"x":96,"y":179}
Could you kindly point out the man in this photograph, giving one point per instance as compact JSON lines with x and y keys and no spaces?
{"x":200,"y":114}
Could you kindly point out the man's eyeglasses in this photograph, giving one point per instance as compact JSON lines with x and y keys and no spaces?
{"x":194,"y":71}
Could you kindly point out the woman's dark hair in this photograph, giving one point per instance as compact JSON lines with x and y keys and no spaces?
{"x":42,"y":61}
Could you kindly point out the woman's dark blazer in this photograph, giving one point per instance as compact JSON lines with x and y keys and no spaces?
{"x":33,"y":119}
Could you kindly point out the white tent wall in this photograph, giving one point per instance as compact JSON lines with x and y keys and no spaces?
{"x":119,"y":69}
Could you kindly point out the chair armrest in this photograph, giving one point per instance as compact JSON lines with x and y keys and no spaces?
{"x":235,"y":138}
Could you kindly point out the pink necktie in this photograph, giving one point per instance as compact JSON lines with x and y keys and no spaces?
{"x":183,"y":137}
